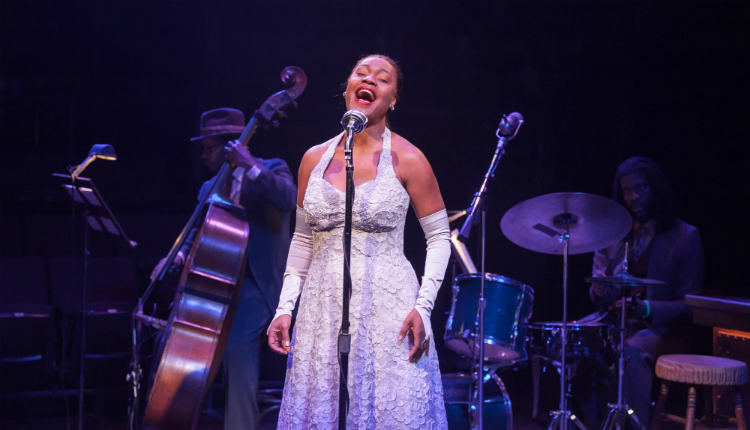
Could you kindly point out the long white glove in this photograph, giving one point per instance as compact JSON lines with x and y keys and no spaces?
{"x":438,"y":235}
{"x":300,"y":255}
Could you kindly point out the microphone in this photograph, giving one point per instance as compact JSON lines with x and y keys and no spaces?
{"x":354,"y":121}
{"x":508,"y":128}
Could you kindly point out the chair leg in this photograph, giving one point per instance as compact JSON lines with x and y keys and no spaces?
{"x":656,"y":418}
{"x":690,"y":418}
{"x":738,"y":409}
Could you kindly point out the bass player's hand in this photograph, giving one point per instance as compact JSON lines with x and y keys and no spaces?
{"x":177,"y":264}
{"x":239,"y":155}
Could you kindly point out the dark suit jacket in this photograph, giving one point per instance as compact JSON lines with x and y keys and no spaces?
{"x":269,"y":201}
{"x":676,"y":259}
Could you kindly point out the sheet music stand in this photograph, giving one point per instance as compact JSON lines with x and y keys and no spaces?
{"x":99,"y":217}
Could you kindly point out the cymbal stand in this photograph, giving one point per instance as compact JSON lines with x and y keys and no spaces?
{"x":620,"y":412}
{"x":561,"y":417}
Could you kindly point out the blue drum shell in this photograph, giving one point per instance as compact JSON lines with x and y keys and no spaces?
{"x":509,"y":308}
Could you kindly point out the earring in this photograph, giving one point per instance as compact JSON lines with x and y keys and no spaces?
{"x":344,"y":94}
{"x":393,"y":107}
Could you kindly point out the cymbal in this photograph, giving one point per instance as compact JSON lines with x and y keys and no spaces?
{"x":594,"y":222}
{"x":624,"y":278}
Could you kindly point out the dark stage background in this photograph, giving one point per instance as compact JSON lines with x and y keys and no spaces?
{"x":597,"y":82}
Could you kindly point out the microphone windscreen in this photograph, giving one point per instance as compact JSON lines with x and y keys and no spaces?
{"x":509,"y":124}
{"x":356,"y":118}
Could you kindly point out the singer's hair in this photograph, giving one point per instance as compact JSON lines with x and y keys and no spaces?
{"x":663,"y":204}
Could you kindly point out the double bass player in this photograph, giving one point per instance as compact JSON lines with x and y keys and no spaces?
{"x":266,"y":191}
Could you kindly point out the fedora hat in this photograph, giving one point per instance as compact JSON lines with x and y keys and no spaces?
{"x":220,"y":122}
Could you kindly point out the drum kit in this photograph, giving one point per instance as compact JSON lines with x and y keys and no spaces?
{"x":559,"y":224}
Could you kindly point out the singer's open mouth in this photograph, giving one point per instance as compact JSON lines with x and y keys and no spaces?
{"x":364,"y":95}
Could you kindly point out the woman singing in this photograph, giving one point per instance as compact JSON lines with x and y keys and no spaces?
{"x":394,"y":379}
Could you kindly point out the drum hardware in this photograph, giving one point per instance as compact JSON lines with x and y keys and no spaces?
{"x":595,"y":222}
{"x":461,"y":254}
{"x":620,"y":412}
{"x":591,"y":387}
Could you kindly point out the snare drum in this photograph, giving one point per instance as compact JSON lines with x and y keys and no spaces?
{"x":545,"y":338}
{"x":509,"y":307}
{"x":458,"y":392}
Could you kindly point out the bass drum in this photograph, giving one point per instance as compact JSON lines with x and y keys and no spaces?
{"x":460,"y":392}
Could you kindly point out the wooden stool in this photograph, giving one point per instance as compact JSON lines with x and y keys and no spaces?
{"x":699,"y":370}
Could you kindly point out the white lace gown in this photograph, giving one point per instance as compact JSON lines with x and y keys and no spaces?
{"x":386,"y":390}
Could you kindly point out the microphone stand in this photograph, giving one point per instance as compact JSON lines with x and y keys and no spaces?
{"x":477,"y":203}
{"x":344,"y":343}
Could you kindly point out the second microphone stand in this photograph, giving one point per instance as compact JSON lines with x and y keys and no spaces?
{"x":479,"y":203}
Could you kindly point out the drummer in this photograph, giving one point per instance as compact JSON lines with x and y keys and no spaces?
{"x":662,"y":247}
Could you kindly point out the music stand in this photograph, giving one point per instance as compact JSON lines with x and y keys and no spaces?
{"x":99,"y":217}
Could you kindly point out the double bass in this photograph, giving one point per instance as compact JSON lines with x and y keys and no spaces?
{"x":197,"y":330}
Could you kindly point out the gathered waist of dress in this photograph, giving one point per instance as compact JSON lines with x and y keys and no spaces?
{"x":368,"y":244}
{"x":398,"y":234}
